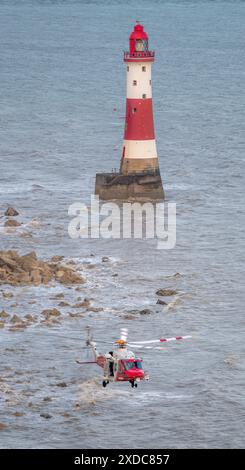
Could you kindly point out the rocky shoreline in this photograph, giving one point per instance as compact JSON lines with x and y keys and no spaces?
{"x":27,"y":269}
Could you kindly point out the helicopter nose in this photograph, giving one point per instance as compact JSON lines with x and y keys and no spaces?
{"x":135,"y":373}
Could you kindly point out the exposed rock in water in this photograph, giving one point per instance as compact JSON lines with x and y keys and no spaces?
{"x":3,"y":426}
{"x":57,"y":259}
{"x":58,"y":296}
{"x":62,"y":384}
{"x":18,"y":414}
{"x":104,"y":259}
{"x":94,"y":309}
{"x":166,"y":292}
{"x":8,"y":295}
{"x":145,"y":311}
{"x":63,"y":304}
{"x":11,"y":212}
{"x":161,"y":302}
{"x":48,"y":313}
{"x":11,"y":223}
{"x":4,"y":314}
{"x":84,"y":303}
{"x":16,"y":319}
{"x":30,"y":317}
{"x":46,"y":415}
{"x":27,"y":269}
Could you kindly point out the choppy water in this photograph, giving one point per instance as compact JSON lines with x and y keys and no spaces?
{"x":61,"y":120}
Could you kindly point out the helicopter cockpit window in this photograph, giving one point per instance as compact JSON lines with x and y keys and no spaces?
{"x":141,"y":45}
{"x":129,"y":365}
{"x":138,"y":364}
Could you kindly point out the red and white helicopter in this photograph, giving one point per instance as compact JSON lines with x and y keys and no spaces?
{"x":121,"y":364}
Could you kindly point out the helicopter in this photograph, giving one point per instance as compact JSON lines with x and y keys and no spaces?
{"x":121,"y":364}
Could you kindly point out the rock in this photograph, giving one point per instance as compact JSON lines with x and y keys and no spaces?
{"x":47,"y":399}
{"x":166,"y":292}
{"x":58,"y":296}
{"x":2,"y":325}
{"x":114,"y":275}
{"x":94,"y":309}
{"x":76,"y":315}
{"x":28,"y":262}
{"x":84,"y":303}
{"x":161,"y":302}
{"x":16,"y":319}
{"x":62,"y":384}
{"x":8,"y":295}
{"x":48,"y":313}
{"x":30,"y":317}
{"x":57,"y":259}
{"x":145,"y":311}
{"x":105,"y":259}
{"x":4,"y":314}
{"x":27,"y":269}
{"x":36,"y":277}
{"x":66,"y":275}
{"x":3,"y":426}
{"x":18,"y":414}
{"x":11,"y":212}
{"x":129,"y":317}
{"x":46,"y":415}
{"x":63,"y":304}
{"x":11,"y":223}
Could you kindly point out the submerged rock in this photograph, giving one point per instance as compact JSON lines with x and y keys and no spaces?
{"x":12,"y":223}
{"x":166,"y":292}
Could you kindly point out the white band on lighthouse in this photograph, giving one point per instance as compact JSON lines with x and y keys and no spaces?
{"x":140,"y":148}
{"x":139,"y":80}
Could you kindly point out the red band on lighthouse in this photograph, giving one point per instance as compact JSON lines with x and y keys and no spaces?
{"x":139,"y":123}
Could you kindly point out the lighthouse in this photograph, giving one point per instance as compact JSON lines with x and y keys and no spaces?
{"x":139,"y":176}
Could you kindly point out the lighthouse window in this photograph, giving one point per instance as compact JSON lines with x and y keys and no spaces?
{"x":134,"y":110}
{"x":143,"y":68}
{"x":127,"y":68}
{"x":143,"y":96}
{"x":150,"y":82}
{"x":134,"y":82}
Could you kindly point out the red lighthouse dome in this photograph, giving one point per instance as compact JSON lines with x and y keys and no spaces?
{"x":138,"y":46}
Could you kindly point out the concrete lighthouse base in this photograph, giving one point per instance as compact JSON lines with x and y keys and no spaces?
{"x":138,"y":187}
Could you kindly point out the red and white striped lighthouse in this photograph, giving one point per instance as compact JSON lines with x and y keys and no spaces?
{"x":139,"y":177}
{"x":139,"y":154}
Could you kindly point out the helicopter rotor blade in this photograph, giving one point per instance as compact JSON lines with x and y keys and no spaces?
{"x":124,"y":334}
{"x":161,"y":340}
